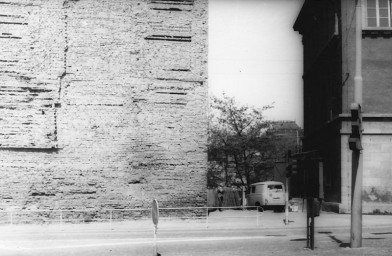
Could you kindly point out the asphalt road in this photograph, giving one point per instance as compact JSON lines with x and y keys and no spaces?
{"x":217,"y":242}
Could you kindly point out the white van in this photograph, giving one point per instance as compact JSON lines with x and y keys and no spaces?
{"x":268,"y":194}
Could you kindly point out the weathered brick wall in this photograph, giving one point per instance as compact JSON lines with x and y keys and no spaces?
{"x":103,"y":103}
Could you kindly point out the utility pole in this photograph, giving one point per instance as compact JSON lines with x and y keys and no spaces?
{"x":355,"y":142}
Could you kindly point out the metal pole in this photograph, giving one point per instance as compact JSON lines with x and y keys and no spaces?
{"x":356,"y":200}
{"x":307,"y":224}
{"x":287,"y":202}
{"x":357,"y":172}
{"x":312,"y":225}
{"x":310,"y":222}
{"x":155,"y":241}
{"x":321,"y":180}
{"x":307,"y":232}
{"x":257,"y":216}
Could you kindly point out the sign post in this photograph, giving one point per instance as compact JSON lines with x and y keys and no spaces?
{"x":310,"y":222}
{"x":155,"y":218}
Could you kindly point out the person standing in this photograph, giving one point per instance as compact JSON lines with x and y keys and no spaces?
{"x":220,"y":197}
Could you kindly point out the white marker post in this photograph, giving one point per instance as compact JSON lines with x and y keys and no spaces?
{"x":155,"y":218}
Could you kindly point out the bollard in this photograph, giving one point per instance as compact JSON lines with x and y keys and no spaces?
{"x":11,"y":218}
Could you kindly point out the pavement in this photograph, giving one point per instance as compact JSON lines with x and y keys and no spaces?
{"x":228,"y":230}
{"x":227,"y":219}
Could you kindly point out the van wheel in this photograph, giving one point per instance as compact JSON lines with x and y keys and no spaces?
{"x":260,"y":209}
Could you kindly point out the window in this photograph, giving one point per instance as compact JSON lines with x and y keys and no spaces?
{"x":275,"y":188}
{"x":253,"y":189}
{"x":377,"y":14}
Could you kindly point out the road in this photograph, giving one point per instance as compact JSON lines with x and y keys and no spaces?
{"x":217,"y":242}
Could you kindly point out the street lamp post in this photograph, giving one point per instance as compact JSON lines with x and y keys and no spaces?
{"x":356,"y":145}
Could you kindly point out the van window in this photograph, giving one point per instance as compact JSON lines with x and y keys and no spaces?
{"x":275,"y":188}
{"x":253,"y":189}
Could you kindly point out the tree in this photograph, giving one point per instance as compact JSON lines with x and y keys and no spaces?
{"x":238,"y":141}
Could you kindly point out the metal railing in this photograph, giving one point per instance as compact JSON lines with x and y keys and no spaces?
{"x":206,"y":216}
{"x":109,"y":215}
{"x":72,"y":215}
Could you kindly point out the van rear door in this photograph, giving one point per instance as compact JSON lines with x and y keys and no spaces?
{"x":276,"y":194}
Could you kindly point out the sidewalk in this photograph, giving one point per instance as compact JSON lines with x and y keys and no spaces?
{"x":228,"y":219}
{"x":230,"y":232}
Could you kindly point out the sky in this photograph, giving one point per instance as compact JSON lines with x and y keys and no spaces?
{"x":255,"y":55}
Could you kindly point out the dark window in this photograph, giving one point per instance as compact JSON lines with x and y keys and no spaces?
{"x":276,"y":188}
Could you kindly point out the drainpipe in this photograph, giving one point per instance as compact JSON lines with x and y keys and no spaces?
{"x":358,"y":55}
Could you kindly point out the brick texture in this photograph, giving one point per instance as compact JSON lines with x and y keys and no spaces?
{"x":102,"y":103}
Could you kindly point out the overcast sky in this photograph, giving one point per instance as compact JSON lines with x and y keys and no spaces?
{"x":256,"y":56}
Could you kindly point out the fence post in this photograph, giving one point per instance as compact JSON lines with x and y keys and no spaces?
{"x":111,"y":216}
{"x":207,"y":217}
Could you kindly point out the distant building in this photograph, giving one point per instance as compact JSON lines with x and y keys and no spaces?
{"x":289,"y":132}
{"x":103,"y":103}
{"x":328,"y":31}
{"x":283,"y":128}
{"x":289,"y":136}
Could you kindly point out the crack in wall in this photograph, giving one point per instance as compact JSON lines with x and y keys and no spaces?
{"x":62,"y":77}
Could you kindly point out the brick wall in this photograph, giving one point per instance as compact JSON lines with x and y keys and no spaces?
{"x":103,"y":103}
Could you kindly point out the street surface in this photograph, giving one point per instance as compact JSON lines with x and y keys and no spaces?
{"x":226,"y":233}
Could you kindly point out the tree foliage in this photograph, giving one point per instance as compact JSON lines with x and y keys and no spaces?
{"x":238,"y":141}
